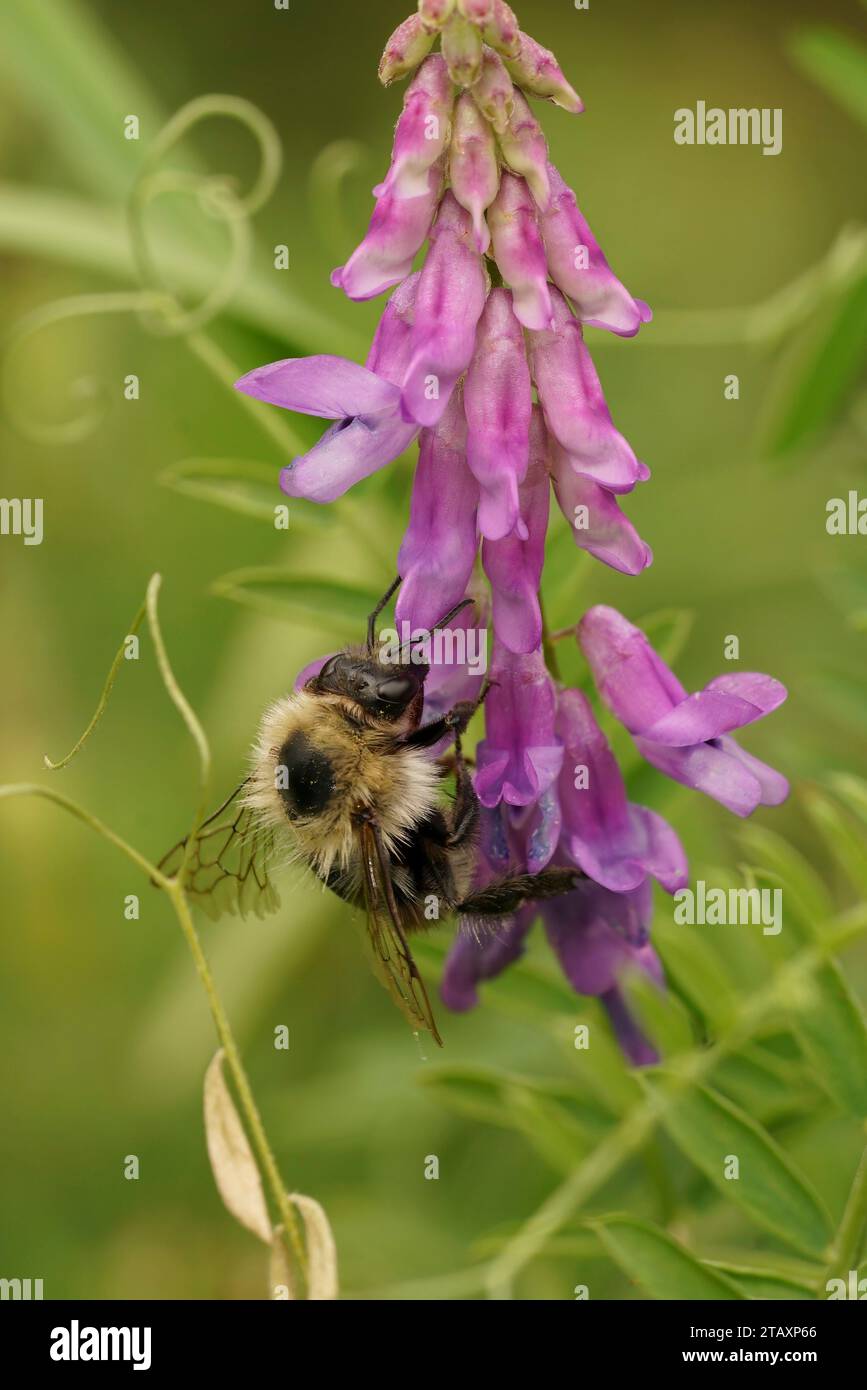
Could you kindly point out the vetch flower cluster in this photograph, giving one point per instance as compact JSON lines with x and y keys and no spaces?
{"x":480,"y":355}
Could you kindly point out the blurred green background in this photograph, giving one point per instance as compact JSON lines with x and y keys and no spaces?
{"x":105,"y":1032}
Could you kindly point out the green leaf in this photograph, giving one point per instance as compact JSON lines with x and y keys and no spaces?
{"x":767,"y":1284}
{"x":707,"y":1128}
{"x":805,"y":894}
{"x":837,"y":63}
{"x":851,"y":790}
{"x":240,"y":485}
{"x":847,"y":845}
{"x":664,"y":1269}
{"x":697,"y":972}
{"x":339,"y":608}
{"x":817,"y":373}
{"x":831,"y":1029}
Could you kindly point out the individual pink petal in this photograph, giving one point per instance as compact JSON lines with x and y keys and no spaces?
{"x":439,"y":549}
{"x":634,"y":682}
{"x":765,"y":693}
{"x":494,"y":93}
{"x":330,"y":387}
{"x":422,"y":131}
{"x":575,"y":409}
{"x":598,"y":525}
{"x":348,"y":452}
{"x":581,"y":271}
{"x":397,"y":231}
{"x":448,"y":304}
{"x":536,"y":70}
{"x":712,"y":770}
{"x":519,"y":252}
{"x":498,"y":404}
{"x":514,"y":565}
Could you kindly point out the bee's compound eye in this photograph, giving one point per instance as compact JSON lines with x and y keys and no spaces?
{"x":397,"y":690}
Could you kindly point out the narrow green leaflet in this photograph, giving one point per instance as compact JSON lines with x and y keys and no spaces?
{"x":663,"y":1268}
{"x":712,"y":1132}
{"x":846,"y":843}
{"x":244,"y":486}
{"x":832,"y":1031}
{"x":770,"y":1284}
{"x":339,"y":608}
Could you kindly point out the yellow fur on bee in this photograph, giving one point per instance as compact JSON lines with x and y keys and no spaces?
{"x":400,"y":787}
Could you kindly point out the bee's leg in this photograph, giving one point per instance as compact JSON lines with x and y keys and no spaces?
{"x":455,"y":722}
{"x":505,"y":895}
{"x":465,"y":815}
{"x":371,"y":622}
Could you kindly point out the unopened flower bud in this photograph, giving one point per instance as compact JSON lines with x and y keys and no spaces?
{"x":473,"y":168}
{"x":493,"y":92}
{"x":435,"y":13}
{"x":498,"y":401}
{"x":520,"y":253}
{"x":525,"y":149}
{"x":477,"y":11}
{"x":502,"y":31}
{"x":422,"y":131}
{"x":536,"y":70}
{"x":406,"y":48}
{"x":462,"y":50}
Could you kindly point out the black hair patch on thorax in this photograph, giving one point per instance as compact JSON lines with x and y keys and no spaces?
{"x":305,"y":777}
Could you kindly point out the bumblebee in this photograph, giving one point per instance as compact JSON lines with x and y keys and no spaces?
{"x":343,"y":777}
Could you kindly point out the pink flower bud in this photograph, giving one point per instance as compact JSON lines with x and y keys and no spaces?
{"x":422,"y":132}
{"x":581,"y":271}
{"x":448,"y":304}
{"x":502,"y":32}
{"x":493,"y":92}
{"x":435,"y":13}
{"x":536,"y":70}
{"x":462,"y":50}
{"x":525,"y":149}
{"x":396,"y":233}
{"x":477,"y":11}
{"x":406,"y":48}
{"x":575,"y":410}
{"x":473,"y":167}
{"x":519,"y":252}
{"x":498,"y":402}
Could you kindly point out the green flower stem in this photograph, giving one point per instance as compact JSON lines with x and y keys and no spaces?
{"x":845,"y":1250}
{"x":256,"y":1129}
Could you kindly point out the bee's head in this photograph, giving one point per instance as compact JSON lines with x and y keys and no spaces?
{"x":382,"y":690}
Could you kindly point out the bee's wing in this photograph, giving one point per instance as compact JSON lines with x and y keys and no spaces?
{"x":392,"y":959}
{"x":228,"y":865}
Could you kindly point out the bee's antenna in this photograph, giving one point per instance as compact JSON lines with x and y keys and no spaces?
{"x":371,"y":622}
{"x":452,"y":613}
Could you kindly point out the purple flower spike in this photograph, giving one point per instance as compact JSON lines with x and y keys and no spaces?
{"x":536,"y":70}
{"x":525,"y":149}
{"x":397,"y":231}
{"x":473,"y":167}
{"x":494,"y":93}
{"x":449,"y":302}
{"x":514,"y":566}
{"x":498,"y":403}
{"x":685,"y":736}
{"x":581,"y":271}
{"x":439,"y":549}
{"x":598,"y":525}
{"x":615,"y":843}
{"x":422,"y":131}
{"x":519,"y":252}
{"x":521,"y":754}
{"x":575,"y":410}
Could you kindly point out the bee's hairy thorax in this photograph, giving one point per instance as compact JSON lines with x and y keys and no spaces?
{"x":318,"y":763}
